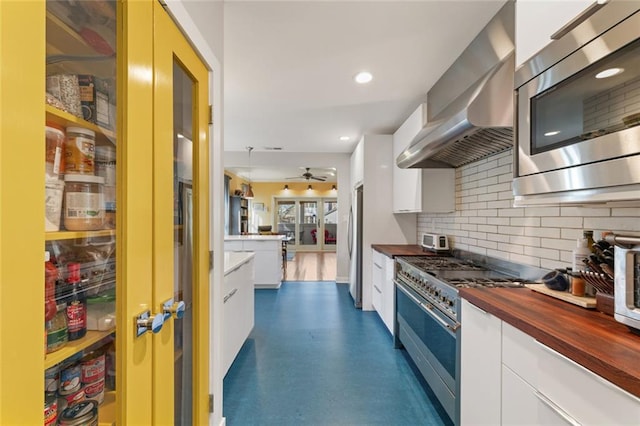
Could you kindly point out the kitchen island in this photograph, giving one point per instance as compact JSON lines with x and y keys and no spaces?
{"x":268,"y":256}
{"x":238,"y":304}
{"x":538,"y":358}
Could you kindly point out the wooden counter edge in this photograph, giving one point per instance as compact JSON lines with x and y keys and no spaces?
{"x":615,"y":374}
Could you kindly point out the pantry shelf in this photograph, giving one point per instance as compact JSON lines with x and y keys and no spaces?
{"x":74,"y":347}
{"x":70,"y":235}
{"x":103,"y":136}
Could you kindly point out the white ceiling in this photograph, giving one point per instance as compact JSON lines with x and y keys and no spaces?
{"x":289,"y":67}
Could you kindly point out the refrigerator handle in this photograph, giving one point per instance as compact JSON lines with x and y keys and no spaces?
{"x":350,"y":231}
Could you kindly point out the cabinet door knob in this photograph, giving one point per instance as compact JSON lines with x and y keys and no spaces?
{"x":147,"y":322}
{"x":173,"y":309}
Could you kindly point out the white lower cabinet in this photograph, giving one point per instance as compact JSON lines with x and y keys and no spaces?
{"x":389,"y":293}
{"x":509,"y":378}
{"x":383,"y":298}
{"x":480,"y":366}
{"x":238,"y":311}
{"x":376,"y":280}
{"x":582,"y":395}
{"x":268,"y":258}
{"x":519,"y":402}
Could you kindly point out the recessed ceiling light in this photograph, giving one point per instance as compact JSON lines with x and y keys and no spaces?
{"x":609,"y":72}
{"x":552,"y":133}
{"x":344,"y":138}
{"x":363,"y":77}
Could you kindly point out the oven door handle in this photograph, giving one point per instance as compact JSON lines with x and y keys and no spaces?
{"x":428,"y":309}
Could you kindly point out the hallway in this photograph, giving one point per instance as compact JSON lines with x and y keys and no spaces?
{"x":313,"y":359}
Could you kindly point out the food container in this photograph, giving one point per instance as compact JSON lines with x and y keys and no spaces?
{"x":65,"y":88}
{"x":70,"y":399}
{"x":95,"y":391}
{"x":79,"y":151}
{"x":50,"y":410}
{"x":70,"y":379}
{"x":84,"y":413}
{"x":53,"y":191}
{"x":54,"y":150}
{"x":51,"y":380}
{"x":92,"y":367}
{"x":57,"y":330}
{"x":84,"y":204}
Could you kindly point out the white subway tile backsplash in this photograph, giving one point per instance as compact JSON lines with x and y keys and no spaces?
{"x":525,"y":221}
{"x":584,"y":211}
{"x":486,"y":222}
{"x":542,"y":211}
{"x":543,"y":253}
{"x":564,"y":222}
{"x":513,"y":212}
{"x":524,"y":259}
{"x":542,"y":232}
{"x":511,"y":230}
{"x":525,"y":241}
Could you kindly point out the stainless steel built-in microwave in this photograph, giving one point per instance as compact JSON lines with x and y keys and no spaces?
{"x":578,"y":114}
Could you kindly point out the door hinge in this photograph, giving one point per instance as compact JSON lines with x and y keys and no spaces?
{"x":211,"y":403}
{"x":210,"y":260}
{"x":210,"y":114}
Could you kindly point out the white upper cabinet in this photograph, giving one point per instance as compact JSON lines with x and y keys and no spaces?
{"x":537,"y":20}
{"x":419,"y":190}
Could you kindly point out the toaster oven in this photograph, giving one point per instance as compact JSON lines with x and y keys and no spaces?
{"x":435,"y":243}
{"x":627,"y":281}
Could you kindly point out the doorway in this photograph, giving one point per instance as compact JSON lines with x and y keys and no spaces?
{"x":310,"y":223}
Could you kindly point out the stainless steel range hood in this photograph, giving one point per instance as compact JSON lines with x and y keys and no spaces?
{"x":470,"y":108}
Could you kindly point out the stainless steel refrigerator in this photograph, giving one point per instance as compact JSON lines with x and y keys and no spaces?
{"x":355,"y":247}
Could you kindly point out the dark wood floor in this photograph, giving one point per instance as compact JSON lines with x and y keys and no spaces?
{"x":311,"y":266}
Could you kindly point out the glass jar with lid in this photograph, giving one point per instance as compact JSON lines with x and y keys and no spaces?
{"x":83,"y":202}
{"x":56,"y":328}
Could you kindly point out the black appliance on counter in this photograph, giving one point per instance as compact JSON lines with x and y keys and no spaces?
{"x":428,"y":314}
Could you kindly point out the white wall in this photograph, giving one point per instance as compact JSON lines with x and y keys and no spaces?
{"x":485,"y":221}
{"x":310,"y":159}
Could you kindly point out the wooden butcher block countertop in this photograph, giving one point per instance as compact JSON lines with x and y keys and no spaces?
{"x":592,"y":339}
{"x":393,"y":250}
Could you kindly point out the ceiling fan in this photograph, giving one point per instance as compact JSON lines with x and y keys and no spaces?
{"x":309,"y":176}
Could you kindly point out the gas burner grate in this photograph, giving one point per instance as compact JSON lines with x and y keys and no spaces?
{"x":442,"y":263}
{"x":485,"y":282}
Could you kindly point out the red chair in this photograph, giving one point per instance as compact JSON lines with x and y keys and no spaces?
{"x":328,"y":238}
{"x":313,"y":235}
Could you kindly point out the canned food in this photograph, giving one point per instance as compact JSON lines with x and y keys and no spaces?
{"x":70,"y":379}
{"x":94,"y":391}
{"x":93,"y":368}
{"x":82,"y":413}
{"x":51,"y":379}
{"x":65,"y":401}
{"x":50,"y":411}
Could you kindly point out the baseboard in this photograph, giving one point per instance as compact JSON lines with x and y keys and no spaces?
{"x":342,"y":280}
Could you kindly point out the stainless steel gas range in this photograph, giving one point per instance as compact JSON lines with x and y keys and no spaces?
{"x":428,"y":316}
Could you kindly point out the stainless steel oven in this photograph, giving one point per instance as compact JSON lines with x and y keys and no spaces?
{"x":578,"y":114}
{"x":428,"y":319}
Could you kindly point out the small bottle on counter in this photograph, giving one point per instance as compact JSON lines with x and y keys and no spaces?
{"x":580,"y":254}
{"x":588,"y":235}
